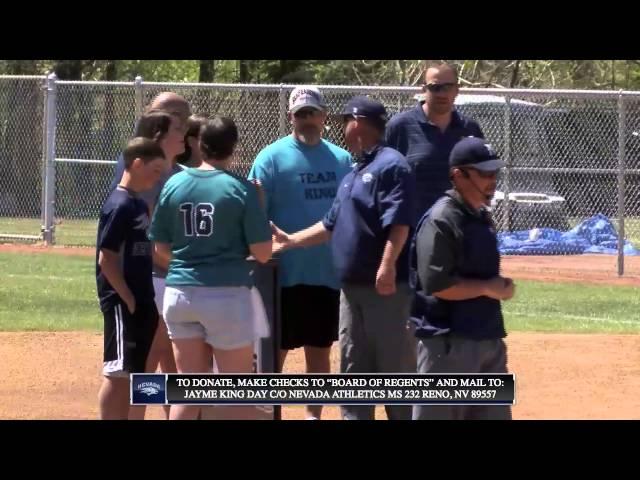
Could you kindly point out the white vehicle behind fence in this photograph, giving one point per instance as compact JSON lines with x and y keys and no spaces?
{"x":531,"y":201}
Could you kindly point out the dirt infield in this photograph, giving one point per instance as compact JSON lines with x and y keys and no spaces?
{"x":57,"y":376}
{"x":599,"y":269}
{"x":41,"y":248}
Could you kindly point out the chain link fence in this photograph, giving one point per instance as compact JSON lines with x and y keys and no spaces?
{"x":571,"y":155}
{"x":21,"y":157}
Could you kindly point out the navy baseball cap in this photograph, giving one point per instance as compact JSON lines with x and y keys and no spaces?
{"x":475,"y":152}
{"x":365,"y":107}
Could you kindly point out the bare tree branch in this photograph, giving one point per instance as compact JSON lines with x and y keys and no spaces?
{"x":514,"y":74}
{"x":553,"y":77}
{"x":415,"y":73}
{"x":355,"y":72}
{"x":626,"y":74}
{"x":476,"y":65}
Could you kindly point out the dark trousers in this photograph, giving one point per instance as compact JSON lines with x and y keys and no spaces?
{"x":451,"y":354}
{"x":375,"y":337}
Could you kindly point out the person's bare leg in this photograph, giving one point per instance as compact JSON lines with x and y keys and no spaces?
{"x":165,"y":353}
{"x":282,"y":357}
{"x":206,"y":411}
{"x":192,"y":356}
{"x":114,"y":398}
{"x":237,"y":360}
{"x":318,"y":361}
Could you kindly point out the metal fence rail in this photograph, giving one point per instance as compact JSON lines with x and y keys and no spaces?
{"x":59,"y":140}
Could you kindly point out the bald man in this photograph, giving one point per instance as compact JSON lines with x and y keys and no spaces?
{"x":171,"y":103}
{"x":161,"y":350}
{"x":426,"y":134}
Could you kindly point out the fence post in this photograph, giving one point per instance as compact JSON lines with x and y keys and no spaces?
{"x":139,"y":93}
{"x":622,"y":127}
{"x":283,"y":111}
{"x":506,"y":215}
{"x":50,"y":158}
{"x":43,"y":194}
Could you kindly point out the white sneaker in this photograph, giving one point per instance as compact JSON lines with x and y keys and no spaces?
{"x":312,"y":418}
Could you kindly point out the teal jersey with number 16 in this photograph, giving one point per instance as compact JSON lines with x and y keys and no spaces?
{"x":210,"y":217}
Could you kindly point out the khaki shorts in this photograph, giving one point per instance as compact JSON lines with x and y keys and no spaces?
{"x":222,"y":316}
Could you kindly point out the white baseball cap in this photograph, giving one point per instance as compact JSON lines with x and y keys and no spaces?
{"x":306,"y":96}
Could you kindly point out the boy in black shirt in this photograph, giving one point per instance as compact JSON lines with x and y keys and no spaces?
{"x":124,"y":276}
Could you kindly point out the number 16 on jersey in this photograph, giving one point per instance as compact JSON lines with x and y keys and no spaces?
{"x":198,"y":219}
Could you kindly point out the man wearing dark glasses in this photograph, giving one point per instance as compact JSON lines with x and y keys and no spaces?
{"x":455,"y":276}
{"x":426,"y":134}
{"x":300,"y":175}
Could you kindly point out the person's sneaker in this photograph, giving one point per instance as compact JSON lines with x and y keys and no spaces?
{"x":311,"y":417}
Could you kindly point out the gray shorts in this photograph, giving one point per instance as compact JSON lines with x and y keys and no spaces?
{"x":222,"y":316}
{"x":158,"y":288}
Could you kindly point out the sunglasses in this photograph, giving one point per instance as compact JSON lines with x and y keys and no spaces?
{"x":439,"y":87}
{"x":305,"y":112}
{"x":483,"y":173}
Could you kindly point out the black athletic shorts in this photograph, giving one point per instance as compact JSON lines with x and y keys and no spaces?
{"x":309,"y":316}
{"x":128,"y":338}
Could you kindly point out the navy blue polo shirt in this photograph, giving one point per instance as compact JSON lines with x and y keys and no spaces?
{"x":379,"y":192}
{"x":427,"y":150}
{"x":454,"y":241}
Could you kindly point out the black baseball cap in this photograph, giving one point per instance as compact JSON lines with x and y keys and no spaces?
{"x":476,"y":153}
{"x":365,"y":107}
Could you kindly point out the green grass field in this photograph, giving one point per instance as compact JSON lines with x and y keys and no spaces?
{"x":47,"y":292}
{"x":50,"y":292}
{"x":83,"y":232}
{"x":68,"y":232}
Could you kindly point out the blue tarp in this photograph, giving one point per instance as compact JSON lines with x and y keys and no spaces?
{"x":595,"y":235}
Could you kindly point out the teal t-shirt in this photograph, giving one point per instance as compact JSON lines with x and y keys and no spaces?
{"x":300,"y":183}
{"x":210,"y":217}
